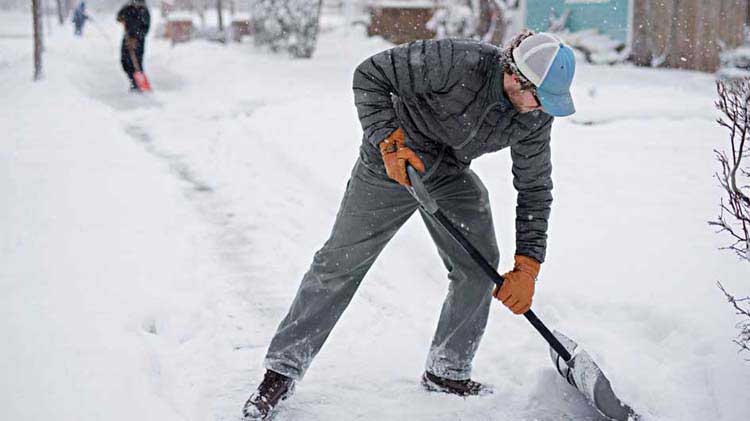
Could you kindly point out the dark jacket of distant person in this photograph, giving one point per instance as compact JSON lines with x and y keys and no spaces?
{"x":79,"y":18}
{"x":136,"y":18}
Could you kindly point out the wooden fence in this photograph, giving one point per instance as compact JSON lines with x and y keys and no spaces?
{"x":687,"y":34}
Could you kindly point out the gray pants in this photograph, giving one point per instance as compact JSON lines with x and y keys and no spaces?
{"x":372,"y":210}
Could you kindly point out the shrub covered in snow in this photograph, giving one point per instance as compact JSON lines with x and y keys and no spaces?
{"x":487,"y":20}
{"x":596,"y":48}
{"x":734,"y":64}
{"x":453,"y":20}
{"x":290,"y":25}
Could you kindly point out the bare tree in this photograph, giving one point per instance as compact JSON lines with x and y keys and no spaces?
{"x":35,"y":10}
{"x":60,"y":12}
{"x":743,"y":338}
{"x":734,"y":215}
{"x":220,"y":16}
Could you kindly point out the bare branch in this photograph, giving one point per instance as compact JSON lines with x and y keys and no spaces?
{"x":743,"y":338}
{"x":734,"y":179}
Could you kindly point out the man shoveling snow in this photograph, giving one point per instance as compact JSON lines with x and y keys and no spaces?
{"x":136,"y":20}
{"x":435,"y":105}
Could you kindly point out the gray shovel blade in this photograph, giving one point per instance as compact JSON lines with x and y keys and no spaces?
{"x":583,"y":374}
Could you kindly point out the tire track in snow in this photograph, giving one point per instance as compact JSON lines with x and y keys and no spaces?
{"x":269,"y":299}
{"x":176,"y":164}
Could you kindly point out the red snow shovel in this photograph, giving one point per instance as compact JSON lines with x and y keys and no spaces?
{"x":572,"y":362}
{"x":140,"y":78}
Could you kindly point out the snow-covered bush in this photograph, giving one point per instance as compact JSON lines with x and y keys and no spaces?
{"x":734,"y":216}
{"x":734,"y":64}
{"x":290,"y":25}
{"x":487,"y":20}
{"x":453,"y":20}
{"x":268,"y":30}
{"x":596,"y":48}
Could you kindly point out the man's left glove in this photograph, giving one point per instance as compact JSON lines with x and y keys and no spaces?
{"x":395,"y":156}
{"x":518,"y":285}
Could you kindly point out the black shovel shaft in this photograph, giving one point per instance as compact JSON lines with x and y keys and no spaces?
{"x":498,"y":279}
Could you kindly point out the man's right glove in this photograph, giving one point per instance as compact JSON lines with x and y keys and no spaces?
{"x":396,"y":155}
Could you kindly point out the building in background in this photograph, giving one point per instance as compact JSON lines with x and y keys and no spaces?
{"x":400,"y":21}
{"x":612,"y":18}
{"x":686,"y":34}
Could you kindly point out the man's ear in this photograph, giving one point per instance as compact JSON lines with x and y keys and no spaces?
{"x":514,"y":78}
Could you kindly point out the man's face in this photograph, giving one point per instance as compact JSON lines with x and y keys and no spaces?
{"x":523,"y":100}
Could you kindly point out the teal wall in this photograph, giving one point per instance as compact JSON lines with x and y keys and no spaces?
{"x":609,"y":16}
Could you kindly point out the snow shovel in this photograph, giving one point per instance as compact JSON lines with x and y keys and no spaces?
{"x":572,"y":362}
{"x":140,"y":78}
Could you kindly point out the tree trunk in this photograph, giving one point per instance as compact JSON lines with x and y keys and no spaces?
{"x":493,"y":23}
{"x":35,"y":10}
{"x":60,"y":11}
{"x":316,"y":28}
{"x":45,"y":11}
{"x":218,"y":13}
{"x":485,"y":17}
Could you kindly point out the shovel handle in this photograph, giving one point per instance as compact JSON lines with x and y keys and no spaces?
{"x":419,"y":191}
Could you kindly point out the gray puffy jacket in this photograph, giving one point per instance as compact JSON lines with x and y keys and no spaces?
{"x":448,"y":97}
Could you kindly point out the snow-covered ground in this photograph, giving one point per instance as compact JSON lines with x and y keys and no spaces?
{"x":149,"y":245}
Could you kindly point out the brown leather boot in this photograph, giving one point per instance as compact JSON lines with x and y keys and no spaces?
{"x":273,"y":389}
{"x":468,"y":387}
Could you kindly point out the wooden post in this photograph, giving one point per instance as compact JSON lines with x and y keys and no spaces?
{"x":45,"y":11}
{"x":60,"y":11}
{"x":221,"y":18}
{"x":687,"y":34}
{"x":37,"y":39}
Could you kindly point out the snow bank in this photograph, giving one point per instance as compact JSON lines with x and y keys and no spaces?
{"x":104,"y":265}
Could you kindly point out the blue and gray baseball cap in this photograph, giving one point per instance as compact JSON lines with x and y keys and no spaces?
{"x":549,"y":65}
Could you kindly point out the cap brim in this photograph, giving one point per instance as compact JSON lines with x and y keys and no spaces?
{"x":558,"y":105}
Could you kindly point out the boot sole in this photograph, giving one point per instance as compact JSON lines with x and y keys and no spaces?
{"x":436,"y":388}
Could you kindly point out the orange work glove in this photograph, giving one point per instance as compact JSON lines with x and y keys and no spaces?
{"x":396,"y":155}
{"x":518,"y":287}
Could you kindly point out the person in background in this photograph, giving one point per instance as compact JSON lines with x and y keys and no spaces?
{"x":79,"y":18}
{"x":137,"y":21}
